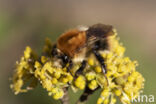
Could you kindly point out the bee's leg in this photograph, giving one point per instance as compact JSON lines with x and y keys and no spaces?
{"x":66,"y":60}
{"x":82,"y":67}
{"x":101,"y":61}
{"x":87,"y":92}
{"x":70,"y":65}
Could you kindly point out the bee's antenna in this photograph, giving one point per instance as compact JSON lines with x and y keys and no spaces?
{"x":106,"y":79}
{"x":104,"y":72}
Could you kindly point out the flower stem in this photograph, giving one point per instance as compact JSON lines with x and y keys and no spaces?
{"x":65,"y":99}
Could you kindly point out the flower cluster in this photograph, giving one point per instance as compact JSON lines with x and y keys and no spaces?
{"x":52,"y":79}
{"x":24,"y":73}
{"x":122,"y":80}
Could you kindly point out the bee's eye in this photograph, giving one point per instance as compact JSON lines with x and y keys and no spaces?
{"x":54,"y":51}
{"x":66,"y":58}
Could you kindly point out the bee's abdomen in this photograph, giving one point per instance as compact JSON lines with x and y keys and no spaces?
{"x":100,"y":31}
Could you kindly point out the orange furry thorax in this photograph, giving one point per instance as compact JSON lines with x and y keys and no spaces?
{"x":71,"y":41}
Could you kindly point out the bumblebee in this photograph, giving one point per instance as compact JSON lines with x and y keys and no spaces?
{"x":76,"y":44}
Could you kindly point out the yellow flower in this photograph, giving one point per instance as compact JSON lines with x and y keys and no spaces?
{"x":106,"y":101}
{"x":105,"y":92}
{"x":93,"y":84}
{"x":100,"y":100}
{"x":44,"y":59}
{"x":90,"y":61}
{"x":90,"y":76}
{"x":54,"y":81}
{"x":98,"y":69}
{"x":80,"y":82}
{"x":24,"y":72}
{"x":117,"y":92}
{"x":58,"y":95}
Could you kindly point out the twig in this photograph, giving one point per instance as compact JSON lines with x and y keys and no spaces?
{"x":65,"y":99}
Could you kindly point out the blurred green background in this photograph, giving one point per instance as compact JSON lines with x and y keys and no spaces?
{"x":28,"y":22}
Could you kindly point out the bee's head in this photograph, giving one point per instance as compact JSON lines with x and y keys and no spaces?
{"x":99,"y":31}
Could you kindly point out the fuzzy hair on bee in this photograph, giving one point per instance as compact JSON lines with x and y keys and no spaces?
{"x":70,"y":41}
{"x":76,"y":44}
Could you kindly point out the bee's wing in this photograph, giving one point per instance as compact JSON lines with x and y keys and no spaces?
{"x":89,"y":43}
{"x":91,"y":40}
